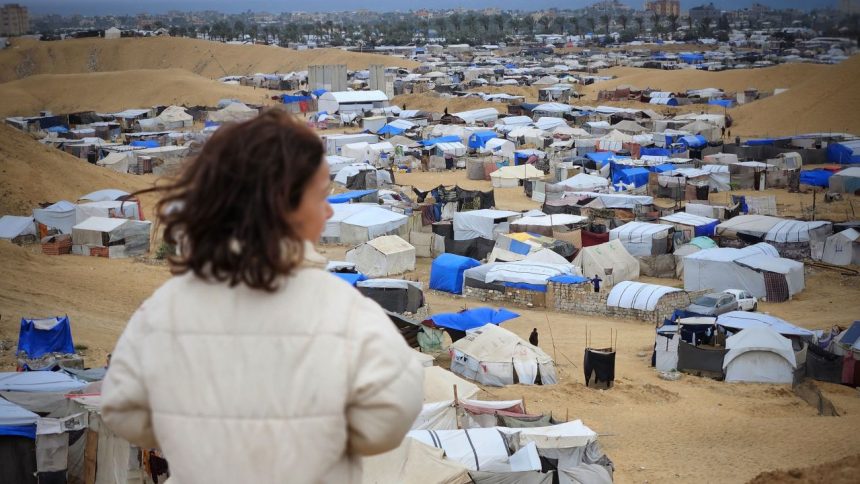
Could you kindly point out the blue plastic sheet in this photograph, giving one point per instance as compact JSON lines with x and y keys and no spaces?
{"x":568,"y":279}
{"x":346,"y":197}
{"x":146,"y":143}
{"x":817,"y":177}
{"x":442,"y":139}
{"x":446,"y":272}
{"x":844,"y":153}
{"x":389,"y":129}
{"x":37,"y":342}
{"x":527,"y":287}
{"x":473,"y":318}
{"x":479,"y":139}
{"x":351,"y":278}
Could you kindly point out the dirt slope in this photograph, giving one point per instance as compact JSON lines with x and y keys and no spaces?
{"x":118,"y":90}
{"x":31,"y":173}
{"x":209,"y":59}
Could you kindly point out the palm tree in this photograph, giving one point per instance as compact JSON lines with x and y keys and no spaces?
{"x":605,"y":20}
{"x":673,"y":22}
{"x":545,"y":22}
{"x":592,"y":24}
{"x":560,"y":22}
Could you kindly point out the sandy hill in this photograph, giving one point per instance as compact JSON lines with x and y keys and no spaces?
{"x":430,"y":101}
{"x":209,"y":59}
{"x":31,"y":173}
{"x":118,"y":90}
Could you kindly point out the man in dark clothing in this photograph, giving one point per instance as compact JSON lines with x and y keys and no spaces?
{"x":596,"y":283}
{"x":533,"y":338}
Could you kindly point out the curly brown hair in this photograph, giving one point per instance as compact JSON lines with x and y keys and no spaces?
{"x":227,"y":210}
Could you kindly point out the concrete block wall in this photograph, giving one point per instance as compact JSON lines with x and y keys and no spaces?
{"x":581,"y":299}
{"x":510,"y":296}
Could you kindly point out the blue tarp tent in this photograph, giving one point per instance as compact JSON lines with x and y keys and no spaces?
{"x":443,"y":139}
{"x":568,"y":279}
{"x":817,"y":178}
{"x":350,"y":277}
{"x":17,"y":421}
{"x":600,"y":157}
{"x":446,"y":272}
{"x":318,"y":92}
{"x":479,"y":139}
{"x":844,"y":152}
{"x":58,"y":129}
{"x":726,"y":103}
{"x":346,"y":197}
{"x":39,"y":337}
{"x":691,"y":58}
{"x":637,"y":176}
{"x":655,"y":151}
{"x":288,"y":99}
{"x":760,"y":142}
{"x":145,"y":143}
{"x":389,"y":129}
{"x":697,"y":141}
{"x":473,"y":318}
{"x":662,"y":168}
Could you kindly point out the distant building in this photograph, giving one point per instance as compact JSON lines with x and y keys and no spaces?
{"x":849,"y":6}
{"x":14,"y":19}
{"x":704,"y":11}
{"x":113,"y":33}
{"x":664,"y":7}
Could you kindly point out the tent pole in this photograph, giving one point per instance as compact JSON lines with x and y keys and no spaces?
{"x":456,"y":408}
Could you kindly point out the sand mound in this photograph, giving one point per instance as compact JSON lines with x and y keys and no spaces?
{"x":118,"y":90}
{"x":31,"y":173}
{"x":843,"y":471}
{"x":431,"y":101}
{"x":210,"y":59}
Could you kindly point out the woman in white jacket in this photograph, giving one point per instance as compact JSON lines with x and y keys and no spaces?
{"x":253,"y":364}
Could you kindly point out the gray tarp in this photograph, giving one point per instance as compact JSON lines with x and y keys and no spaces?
{"x":693,"y":358}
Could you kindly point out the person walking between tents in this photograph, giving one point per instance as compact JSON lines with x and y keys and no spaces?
{"x":533,"y":338}
{"x":595,"y":281}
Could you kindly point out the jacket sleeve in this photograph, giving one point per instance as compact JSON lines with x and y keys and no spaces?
{"x":386,"y":382}
{"x":125,"y":402}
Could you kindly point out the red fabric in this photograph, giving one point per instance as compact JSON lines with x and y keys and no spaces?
{"x":849,"y":370}
{"x":303,"y":106}
{"x":592,"y":238}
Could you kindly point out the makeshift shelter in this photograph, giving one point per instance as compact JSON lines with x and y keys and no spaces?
{"x":759,"y":355}
{"x":479,"y":448}
{"x":548,"y":225}
{"x":609,"y":260}
{"x":637,"y":295}
{"x":842,"y":248}
{"x":747,"y":227}
{"x":584,"y":182}
{"x":118,"y":161}
{"x":739,"y":320}
{"x":643,"y":239}
{"x":17,"y":444}
{"x":495,"y":356}
{"x":846,"y":181}
{"x":354,"y":223}
{"x":38,"y":337}
{"x":691,"y":225}
{"x":439,"y":385}
{"x":111,"y":237}
{"x":691,"y":247}
{"x":844,"y":152}
{"x":446,"y":272}
{"x":351,"y":101}
{"x":757,"y":269}
{"x":798,"y":239}
{"x":395,"y":295}
{"x":17,"y":229}
{"x":108,"y":209}
{"x":413,"y":462}
{"x":531,"y":273}
{"x":233,"y":112}
{"x":457,"y":324}
{"x":513,"y":176}
{"x":485,"y":223}
{"x":520,"y":245}
{"x":383,"y":256}
{"x":479,"y":139}
{"x":59,"y":216}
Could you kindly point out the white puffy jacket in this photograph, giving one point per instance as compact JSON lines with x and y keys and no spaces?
{"x":240,"y":385}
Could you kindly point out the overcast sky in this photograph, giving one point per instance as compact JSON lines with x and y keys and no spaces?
{"x":95,"y":7}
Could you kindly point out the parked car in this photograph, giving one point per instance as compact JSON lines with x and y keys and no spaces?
{"x":746,"y":301}
{"x":713,"y":304}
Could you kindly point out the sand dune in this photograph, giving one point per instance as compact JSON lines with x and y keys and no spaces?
{"x":115,"y":91}
{"x":430,"y":101}
{"x":31,"y":173}
{"x":209,"y":59}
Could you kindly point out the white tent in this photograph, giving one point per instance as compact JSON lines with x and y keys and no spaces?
{"x":559,"y":221}
{"x":585,"y":182}
{"x":174,"y":117}
{"x":111,"y":237}
{"x":719,"y":269}
{"x":495,"y":356}
{"x":740,"y":320}
{"x":439,"y":385}
{"x":413,"y":462}
{"x":117,"y":161}
{"x":637,"y":295}
{"x":846,"y":181}
{"x":351,"y":101}
{"x":486,"y":223}
{"x":484,"y":115}
{"x":354,"y":223}
{"x":642,"y":238}
{"x":842,"y":248}
{"x":105,"y":195}
{"x":499,"y":146}
{"x":531,"y":270}
{"x":753,"y":225}
{"x":12,"y":226}
{"x":510,"y":176}
{"x":233,"y":112}
{"x":383,"y":256}
{"x":759,"y":355}
{"x":482,"y":449}
{"x":108,"y":209}
{"x":608,"y":257}
{"x":60,"y":216}
{"x":336,"y":163}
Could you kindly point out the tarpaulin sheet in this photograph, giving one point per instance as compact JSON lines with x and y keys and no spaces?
{"x":38,"y":337}
{"x":817,"y":177}
{"x":473,"y":318}
{"x":446,"y":272}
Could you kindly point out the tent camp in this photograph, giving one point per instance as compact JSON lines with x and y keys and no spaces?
{"x":757,"y":269}
{"x":513,"y":176}
{"x":15,"y":228}
{"x":383,"y":256}
{"x":354,"y":223}
{"x":609,"y":260}
{"x":446,"y":272}
{"x":759,"y":355}
{"x":111,"y":237}
{"x":642,"y":238}
{"x":842,"y":248}
{"x":485,"y":223}
{"x":495,"y":356}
